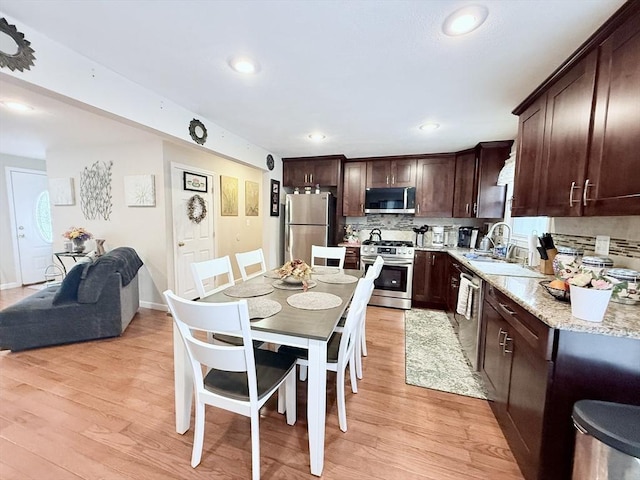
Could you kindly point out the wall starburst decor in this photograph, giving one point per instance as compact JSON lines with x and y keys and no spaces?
{"x":22,"y":58}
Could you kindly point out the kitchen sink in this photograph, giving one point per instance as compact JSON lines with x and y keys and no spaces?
{"x":500,"y":267}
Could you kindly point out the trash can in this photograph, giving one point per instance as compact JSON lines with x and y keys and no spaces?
{"x":607,"y":441}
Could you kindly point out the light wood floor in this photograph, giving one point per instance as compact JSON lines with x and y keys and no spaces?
{"x":104,"y":410}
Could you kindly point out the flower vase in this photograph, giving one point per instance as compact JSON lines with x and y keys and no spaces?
{"x":589,"y":304}
{"x":78,"y":245}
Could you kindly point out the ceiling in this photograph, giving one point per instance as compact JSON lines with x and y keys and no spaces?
{"x":364,"y":73}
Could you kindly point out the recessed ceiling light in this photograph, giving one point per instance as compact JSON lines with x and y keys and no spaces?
{"x":430,"y":126}
{"x":316,"y":137}
{"x":244,"y":65}
{"x":465,"y":20}
{"x":17,"y":106}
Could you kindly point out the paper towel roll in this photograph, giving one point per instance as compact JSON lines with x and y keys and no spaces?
{"x":534,"y":256}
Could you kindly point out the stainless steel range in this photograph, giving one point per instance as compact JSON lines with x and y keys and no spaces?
{"x":393,"y":286}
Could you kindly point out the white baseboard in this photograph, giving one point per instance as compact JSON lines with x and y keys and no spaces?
{"x":154,"y":306}
{"x":7,"y":286}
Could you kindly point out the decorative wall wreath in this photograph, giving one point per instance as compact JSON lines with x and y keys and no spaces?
{"x":198,"y":131}
{"x":22,"y":58}
{"x":197,"y":209}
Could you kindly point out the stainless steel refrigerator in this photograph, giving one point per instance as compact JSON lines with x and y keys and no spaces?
{"x":309,"y":220}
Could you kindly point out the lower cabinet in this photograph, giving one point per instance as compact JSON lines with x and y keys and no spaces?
{"x":352,"y":258}
{"x":429,"y":285}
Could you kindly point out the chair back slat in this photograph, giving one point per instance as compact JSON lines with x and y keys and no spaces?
{"x":333,"y":253}
{"x":355,"y":316}
{"x":248,"y":261}
{"x":210,"y":270}
{"x":374,"y":270}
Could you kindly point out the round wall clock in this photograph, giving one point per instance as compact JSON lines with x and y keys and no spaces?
{"x":270,"y":162}
{"x":198,"y":131}
{"x":15,"y":51}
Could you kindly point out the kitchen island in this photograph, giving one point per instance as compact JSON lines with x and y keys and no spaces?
{"x":537,"y":360}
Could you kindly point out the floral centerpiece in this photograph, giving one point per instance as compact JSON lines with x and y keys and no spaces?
{"x":296,"y":270}
{"x":78,"y":236}
{"x":590,"y":294}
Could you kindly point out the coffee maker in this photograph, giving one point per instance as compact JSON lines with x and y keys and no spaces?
{"x":464,"y":237}
{"x":437,"y":236}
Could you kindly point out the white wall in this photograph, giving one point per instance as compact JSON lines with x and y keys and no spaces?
{"x":8,"y":274}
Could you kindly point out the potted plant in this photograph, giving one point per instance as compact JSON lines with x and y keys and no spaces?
{"x":590,"y":295}
{"x":78,"y":236}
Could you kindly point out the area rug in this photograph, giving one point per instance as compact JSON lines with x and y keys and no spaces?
{"x":434,"y":358}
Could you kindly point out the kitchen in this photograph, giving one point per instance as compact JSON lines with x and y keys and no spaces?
{"x":570,"y":227}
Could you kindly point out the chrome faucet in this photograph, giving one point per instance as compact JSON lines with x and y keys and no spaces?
{"x":507,"y":248}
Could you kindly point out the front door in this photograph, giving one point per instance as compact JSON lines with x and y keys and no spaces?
{"x":193,"y":242}
{"x":31,"y":223}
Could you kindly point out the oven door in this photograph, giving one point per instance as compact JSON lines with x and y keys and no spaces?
{"x":393,"y":287}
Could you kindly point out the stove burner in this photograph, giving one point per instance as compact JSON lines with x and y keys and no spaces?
{"x":389,"y":243}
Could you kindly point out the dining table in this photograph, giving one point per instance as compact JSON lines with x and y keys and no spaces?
{"x":309,"y":325}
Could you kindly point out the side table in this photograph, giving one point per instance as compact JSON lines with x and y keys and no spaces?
{"x":74,"y":255}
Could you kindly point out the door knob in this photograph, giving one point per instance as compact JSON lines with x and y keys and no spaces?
{"x":181,"y":244}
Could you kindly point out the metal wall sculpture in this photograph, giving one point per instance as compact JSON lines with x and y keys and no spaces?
{"x":95,"y":191}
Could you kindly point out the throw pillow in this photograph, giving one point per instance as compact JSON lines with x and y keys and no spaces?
{"x":68,"y":291}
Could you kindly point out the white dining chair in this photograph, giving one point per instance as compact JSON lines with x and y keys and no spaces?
{"x":205,"y":273}
{"x":341,"y":348}
{"x":247,"y":261}
{"x":328,"y":253}
{"x":239,"y":378}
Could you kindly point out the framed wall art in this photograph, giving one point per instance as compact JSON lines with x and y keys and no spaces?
{"x":275,"y":198}
{"x":140,"y":191}
{"x":251,"y":198}
{"x":61,"y":191}
{"x":195,"y":182}
{"x":229,"y":193}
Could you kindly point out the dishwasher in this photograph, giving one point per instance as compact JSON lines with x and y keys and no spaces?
{"x":468,"y":329}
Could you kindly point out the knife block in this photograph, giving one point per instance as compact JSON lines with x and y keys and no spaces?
{"x":546,"y":266}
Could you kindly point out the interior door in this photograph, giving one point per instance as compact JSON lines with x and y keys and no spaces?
{"x":193,"y":242}
{"x":32,"y":223}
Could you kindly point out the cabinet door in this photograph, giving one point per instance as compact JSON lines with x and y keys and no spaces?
{"x":437,"y":293}
{"x":403,"y":173}
{"x":421,"y":272}
{"x":490,"y":197}
{"x":295,"y":173}
{"x":526,"y":187}
{"x":429,"y":279}
{"x":434,"y":187}
{"x":378,"y":173}
{"x":566,"y":137}
{"x":614,"y":164}
{"x":463,"y":196}
{"x":496,"y":364}
{"x":352,"y":258}
{"x":323,"y":173}
{"x":355,"y":179}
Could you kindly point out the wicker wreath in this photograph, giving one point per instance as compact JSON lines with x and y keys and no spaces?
{"x":197,"y":209}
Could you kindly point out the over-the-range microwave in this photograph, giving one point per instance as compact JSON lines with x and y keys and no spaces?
{"x":390,"y":200}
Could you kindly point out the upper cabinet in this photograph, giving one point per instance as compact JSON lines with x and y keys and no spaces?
{"x":391,"y":173}
{"x":434,"y":186}
{"x":311,"y":171}
{"x":579,"y":133}
{"x":476,"y":193}
{"x":354,"y":186}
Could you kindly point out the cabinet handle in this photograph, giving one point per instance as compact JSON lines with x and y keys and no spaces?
{"x":311,"y":178}
{"x":475,"y":208}
{"x":433,"y":260}
{"x":500,"y":333}
{"x":507,"y":309}
{"x":418,"y":207}
{"x":466,"y":208}
{"x":573,"y":187}
{"x":305,"y":178}
{"x":507,"y":338}
{"x":362,"y":207}
{"x":387,"y":179}
{"x":584,"y":192}
{"x":393,"y":179}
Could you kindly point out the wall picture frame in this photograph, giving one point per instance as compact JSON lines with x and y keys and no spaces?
{"x":274,"y":196}
{"x":251,"y":198}
{"x":195,"y":182}
{"x":61,"y":191}
{"x":140,"y":191}
{"x":229,"y":196}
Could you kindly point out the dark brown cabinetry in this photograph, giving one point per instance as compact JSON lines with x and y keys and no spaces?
{"x":354,"y":186}
{"x":311,"y":171}
{"x":587,"y":159}
{"x":476,"y":193}
{"x":429,"y":287}
{"x":517,"y":367}
{"x":352,"y":258}
{"x":391,"y":173}
{"x":434,"y":186}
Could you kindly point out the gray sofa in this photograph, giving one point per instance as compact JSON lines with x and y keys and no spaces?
{"x":95,"y":300}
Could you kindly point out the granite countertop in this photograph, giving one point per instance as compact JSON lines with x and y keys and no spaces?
{"x":620,"y":320}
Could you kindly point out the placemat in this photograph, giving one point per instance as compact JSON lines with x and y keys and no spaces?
{"x":325,"y":270}
{"x":262,"y":307}
{"x":293,"y":286}
{"x":314,"y":300}
{"x":246,"y":290}
{"x":336,"y":278}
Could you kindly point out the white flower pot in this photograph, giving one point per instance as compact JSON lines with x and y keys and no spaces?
{"x":589,"y":303}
